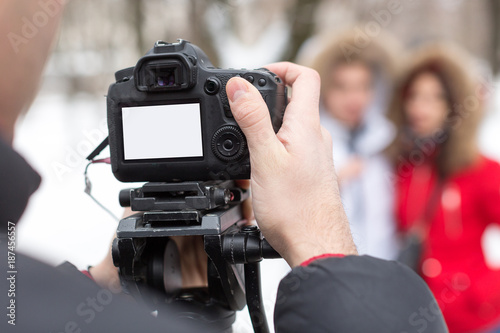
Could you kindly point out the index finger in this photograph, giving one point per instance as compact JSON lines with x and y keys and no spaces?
{"x":305,"y":83}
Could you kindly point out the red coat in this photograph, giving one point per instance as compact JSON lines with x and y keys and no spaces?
{"x":453,"y":264}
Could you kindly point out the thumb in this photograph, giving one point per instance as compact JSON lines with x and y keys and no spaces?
{"x":251,"y":113}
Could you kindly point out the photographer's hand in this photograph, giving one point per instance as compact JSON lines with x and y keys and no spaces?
{"x":295,"y":192}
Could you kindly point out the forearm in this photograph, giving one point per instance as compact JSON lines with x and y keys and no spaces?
{"x":333,"y":237}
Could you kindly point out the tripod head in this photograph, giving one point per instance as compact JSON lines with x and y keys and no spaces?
{"x":148,"y":259}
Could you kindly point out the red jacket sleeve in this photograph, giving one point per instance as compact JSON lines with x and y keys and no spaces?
{"x":490,"y":193}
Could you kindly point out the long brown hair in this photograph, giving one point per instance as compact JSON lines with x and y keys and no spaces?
{"x":455,"y":144}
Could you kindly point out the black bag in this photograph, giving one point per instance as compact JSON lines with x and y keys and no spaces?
{"x":411,"y":250}
{"x":412,"y":244}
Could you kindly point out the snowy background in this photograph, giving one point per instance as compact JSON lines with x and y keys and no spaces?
{"x":67,"y":119}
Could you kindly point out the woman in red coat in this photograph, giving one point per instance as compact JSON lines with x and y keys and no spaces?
{"x":447,"y":193}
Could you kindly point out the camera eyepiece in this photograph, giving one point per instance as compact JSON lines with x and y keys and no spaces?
{"x":165,"y":78}
{"x":169,"y":117}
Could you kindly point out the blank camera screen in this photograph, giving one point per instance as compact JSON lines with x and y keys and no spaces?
{"x":162,"y":131}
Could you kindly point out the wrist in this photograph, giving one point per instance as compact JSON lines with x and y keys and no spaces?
{"x":302,"y":253}
{"x":333,"y":238}
{"x":323,"y":256}
{"x":106,"y":276}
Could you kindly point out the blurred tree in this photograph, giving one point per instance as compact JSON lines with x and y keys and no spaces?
{"x":302,"y":24}
{"x":198,"y":33}
{"x":99,"y":37}
{"x":466,"y":22}
{"x":137,"y":10}
{"x":495,"y":50}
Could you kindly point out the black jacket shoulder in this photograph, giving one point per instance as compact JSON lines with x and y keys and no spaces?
{"x":356,"y":294}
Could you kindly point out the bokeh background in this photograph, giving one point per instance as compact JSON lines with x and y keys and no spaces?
{"x":98,"y":37}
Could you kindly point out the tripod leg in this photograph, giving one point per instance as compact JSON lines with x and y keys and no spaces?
{"x":254,"y":298}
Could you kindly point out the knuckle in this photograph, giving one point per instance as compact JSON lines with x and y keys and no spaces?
{"x":249,"y":113}
{"x":314,"y":75}
{"x":285,"y":135}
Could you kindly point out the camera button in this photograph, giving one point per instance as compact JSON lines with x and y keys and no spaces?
{"x":192,"y":59}
{"x":228,"y":143}
{"x":227,"y":111}
{"x":250,"y":78}
{"x":262,"y":82}
{"x":212,"y":86}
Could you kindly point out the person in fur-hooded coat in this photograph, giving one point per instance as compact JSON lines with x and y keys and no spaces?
{"x":447,"y":193}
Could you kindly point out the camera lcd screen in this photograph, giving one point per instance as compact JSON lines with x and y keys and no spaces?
{"x":162,"y":131}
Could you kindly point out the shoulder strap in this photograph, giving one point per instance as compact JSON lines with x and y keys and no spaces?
{"x":431,"y":207}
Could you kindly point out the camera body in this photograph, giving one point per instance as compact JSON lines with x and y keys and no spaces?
{"x":169,"y":117}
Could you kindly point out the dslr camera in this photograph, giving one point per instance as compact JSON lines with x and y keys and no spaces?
{"x":169,"y":117}
{"x":170,"y":125}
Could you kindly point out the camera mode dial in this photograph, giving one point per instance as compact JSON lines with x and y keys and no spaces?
{"x":228,"y":143}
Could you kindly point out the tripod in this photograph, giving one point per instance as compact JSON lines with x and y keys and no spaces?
{"x":147,"y":258}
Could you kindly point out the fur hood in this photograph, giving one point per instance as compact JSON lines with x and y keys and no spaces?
{"x":381,"y":52}
{"x":457,"y":139}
